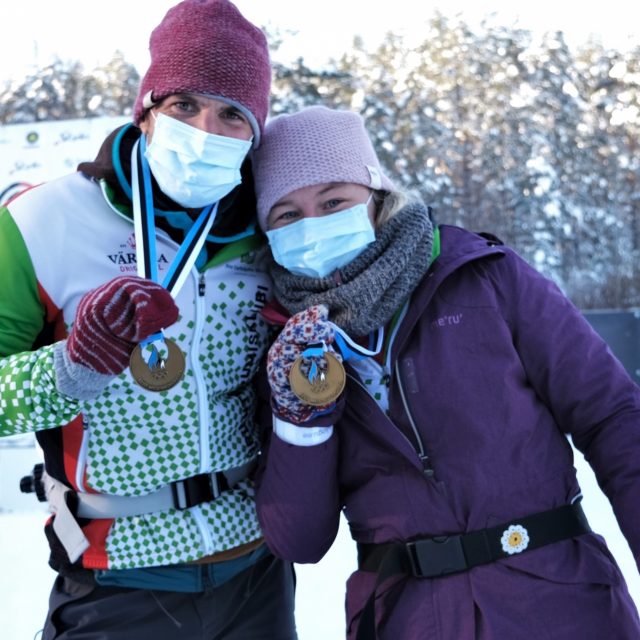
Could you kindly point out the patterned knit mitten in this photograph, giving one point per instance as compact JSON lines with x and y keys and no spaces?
{"x":304,"y":328}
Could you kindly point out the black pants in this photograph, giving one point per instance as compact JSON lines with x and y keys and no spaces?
{"x":257,"y":604}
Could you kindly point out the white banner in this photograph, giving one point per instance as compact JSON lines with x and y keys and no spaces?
{"x":40,"y":151}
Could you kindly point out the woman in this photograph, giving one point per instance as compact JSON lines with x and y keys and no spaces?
{"x":466,"y":370}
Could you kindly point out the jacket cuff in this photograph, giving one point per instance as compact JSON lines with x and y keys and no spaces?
{"x":75,"y":380}
{"x":301,"y":436}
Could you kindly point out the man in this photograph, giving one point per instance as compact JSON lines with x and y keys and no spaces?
{"x":129,"y":338}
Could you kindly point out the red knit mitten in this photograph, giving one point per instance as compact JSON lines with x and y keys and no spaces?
{"x":113,"y":318}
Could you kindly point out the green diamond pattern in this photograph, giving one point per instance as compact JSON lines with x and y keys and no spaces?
{"x":173,"y":537}
{"x":28,"y":397}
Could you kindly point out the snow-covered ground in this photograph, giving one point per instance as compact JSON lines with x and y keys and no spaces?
{"x":26,"y":578}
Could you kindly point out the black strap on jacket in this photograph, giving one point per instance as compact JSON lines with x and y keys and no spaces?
{"x":446,"y":555}
{"x":205,"y":487}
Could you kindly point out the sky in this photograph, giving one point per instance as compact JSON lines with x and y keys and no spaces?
{"x":33,"y":31}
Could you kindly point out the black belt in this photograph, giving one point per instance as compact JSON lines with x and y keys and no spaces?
{"x":205,"y":487}
{"x":446,"y":555}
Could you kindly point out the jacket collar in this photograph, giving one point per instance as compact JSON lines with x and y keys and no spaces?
{"x":113,"y":166}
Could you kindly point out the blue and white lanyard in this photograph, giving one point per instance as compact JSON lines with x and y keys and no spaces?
{"x":145,"y":234}
{"x":352,"y":351}
{"x":145,"y":229}
{"x":347,"y":348}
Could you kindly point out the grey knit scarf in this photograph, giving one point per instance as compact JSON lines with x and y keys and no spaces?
{"x":365,"y":293}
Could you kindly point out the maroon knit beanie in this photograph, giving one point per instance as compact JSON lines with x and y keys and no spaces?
{"x":208,"y":47}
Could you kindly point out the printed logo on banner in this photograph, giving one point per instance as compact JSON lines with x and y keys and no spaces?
{"x":21,"y":166}
{"x":32,"y":138}
{"x":66,"y":137}
{"x":42,"y":151}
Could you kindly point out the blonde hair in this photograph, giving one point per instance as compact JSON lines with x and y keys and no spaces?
{"x":389,"y":203}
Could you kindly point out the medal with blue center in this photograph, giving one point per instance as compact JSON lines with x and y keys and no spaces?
{"x":317,"y":376}
{"x":158,"y":363}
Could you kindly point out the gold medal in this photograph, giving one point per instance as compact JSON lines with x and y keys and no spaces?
{"x":163,"y":374}
{"x":326,"y":386}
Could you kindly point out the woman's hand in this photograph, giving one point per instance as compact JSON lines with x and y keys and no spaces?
{"x":301,"y":330}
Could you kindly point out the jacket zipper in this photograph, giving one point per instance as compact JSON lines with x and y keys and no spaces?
{"x":205,"y":458}
{"x":83,"y":454}
{"x":424,"y":458}
{"x":427,"y":468}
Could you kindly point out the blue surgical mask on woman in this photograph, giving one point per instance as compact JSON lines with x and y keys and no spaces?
{"x":193,"y":167}
{"x":316,"y":247}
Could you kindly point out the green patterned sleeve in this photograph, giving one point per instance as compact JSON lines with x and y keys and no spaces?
{"x":29,"y":400}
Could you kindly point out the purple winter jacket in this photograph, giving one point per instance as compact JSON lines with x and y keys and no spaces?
{"x":494,"y":367}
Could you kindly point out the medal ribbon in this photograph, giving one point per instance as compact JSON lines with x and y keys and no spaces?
{"x":145,"y":228}
{"x":347,"y":348}
{"x":352,"y":351}
{"x":314,"y":351}
{"x":145,"y":235}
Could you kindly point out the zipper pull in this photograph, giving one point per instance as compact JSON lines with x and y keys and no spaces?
{"x":427,"y":469}
{"x":201,"y":285}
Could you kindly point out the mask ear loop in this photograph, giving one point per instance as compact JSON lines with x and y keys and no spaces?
{"x":155,"y":120}
{"x":375,"y":209}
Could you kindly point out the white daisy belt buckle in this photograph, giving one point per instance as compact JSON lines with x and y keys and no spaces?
{"x":515,"y":539}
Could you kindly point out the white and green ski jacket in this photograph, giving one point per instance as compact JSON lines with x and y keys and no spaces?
{"x":58,"y":241}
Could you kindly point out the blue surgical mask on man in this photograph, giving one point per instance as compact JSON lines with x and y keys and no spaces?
{"x":316,"y":247}
{"x":193,"y":167}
